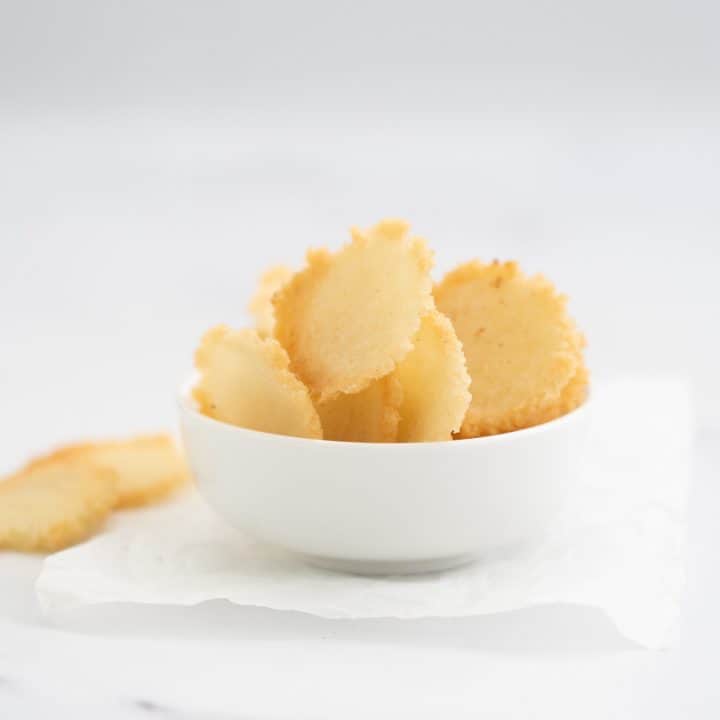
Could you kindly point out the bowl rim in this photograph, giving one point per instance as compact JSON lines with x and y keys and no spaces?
{"x":187,"y":405}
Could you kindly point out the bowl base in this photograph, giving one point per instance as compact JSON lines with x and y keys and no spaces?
{"x":388,"y":567}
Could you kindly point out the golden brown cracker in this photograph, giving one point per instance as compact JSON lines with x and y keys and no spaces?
{"x":53,"y":504}
{"x":260,"y":306}
{"x":521,"y":347}
{"x":245,"y":380}
{"x":372,"y":415}
{"x":572,"y":396}
{"x":147,"y":467}
{"x":348,"y":318}
{"x":435,"y":383}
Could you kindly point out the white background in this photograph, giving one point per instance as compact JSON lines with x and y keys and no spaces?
{"x":155,"y":157}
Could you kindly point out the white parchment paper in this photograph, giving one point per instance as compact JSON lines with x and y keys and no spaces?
{"x":619,"y":548}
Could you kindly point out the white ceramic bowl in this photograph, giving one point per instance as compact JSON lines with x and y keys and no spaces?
{"x":377,"y":508}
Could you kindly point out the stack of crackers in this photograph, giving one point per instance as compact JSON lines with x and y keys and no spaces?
{"x":62,"y":498}
{"x":360,"y":346}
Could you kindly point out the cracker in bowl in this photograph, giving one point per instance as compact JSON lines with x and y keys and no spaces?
{"x":522,"y":348}
{"x":349,"y":317}
{"x":245,"y":380}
